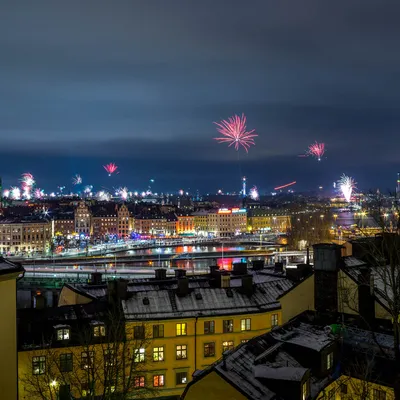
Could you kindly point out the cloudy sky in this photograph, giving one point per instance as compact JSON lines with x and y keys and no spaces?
{"x":141,"y":82}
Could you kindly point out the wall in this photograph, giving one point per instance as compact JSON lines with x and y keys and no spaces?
{"x":347,"y":294}
{"x":215,"y":387}
{"x":69,"y":297}
{"x":8,"y":338}
{"x":297,"y":300}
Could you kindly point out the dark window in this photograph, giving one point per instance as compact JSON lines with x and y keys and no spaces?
{"x":138,"y":332}
{"x":158,"y":331}
{"x":39,"y":365}
{"x":181,"y":378}
{"x":181,"y":352}
{"x":209,"y":349}
{"x":379,"y":394}
{"x":343,"y":388}
{"x":209,"y":327}
{"x":87,"y":359}
{"x":227,"y":325}
{"x":66,"y":362}
{"x":64,"y":392}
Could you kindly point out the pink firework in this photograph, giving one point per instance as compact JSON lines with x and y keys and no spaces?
{"x":110,"y":168}
{"x":27,"y":180}
{"x":234,"y":132}
{"x":316,"y":150}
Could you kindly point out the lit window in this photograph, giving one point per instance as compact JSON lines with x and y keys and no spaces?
{"x":245,"y":324}
{"x":99,"y":330}
{"x":158,"y":380}
{"x":305,"y":390}
{"x":227,"y":325}
{"x":181,"y":378}
{"x":209,"y":327}
{"x":138,"y":355}
{"x":329,"y":361}
{"x":244,"y":340}
{"x":66,"y":362}
{"x":181,"y":352}
{"x":87,"y":359}
{"x":379,"y":394}
{"x":181,"y":329}
{"x":139,"y":382}
{"x":209,"y":349}
{"x":63,"y":334}
{"x":158,"y":331}
{"x":274,"y":320}
{"x":39,"y":365}
{"x":228,"y":345}
{"x":158,"y":353}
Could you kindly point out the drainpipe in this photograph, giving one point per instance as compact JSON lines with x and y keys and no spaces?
{"x":195,"y":343}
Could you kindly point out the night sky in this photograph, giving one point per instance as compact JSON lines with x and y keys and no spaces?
{"x":84,"y":83}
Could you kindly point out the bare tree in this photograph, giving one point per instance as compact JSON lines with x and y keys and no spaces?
{"x":109,"y":362}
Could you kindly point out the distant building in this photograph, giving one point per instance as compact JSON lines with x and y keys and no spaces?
{"x":227,"y":222}
{"x":185,"y":224}
{"x":260,"y":220}
{"x":83,"y":219}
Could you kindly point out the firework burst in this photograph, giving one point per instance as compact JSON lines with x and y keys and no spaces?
{"x":346,"y":186}
{"x":235,"y":132}
{"x":76,"y":180}
{"x":123,"y":193}
{"x":15,"y":193}
{"x":254,"y":193}
{"x":316,"y":150}
{"x":88,"y":189}
{"x":103,"y":196}
{"x":38,"y":194}
{"x":110,"y":168}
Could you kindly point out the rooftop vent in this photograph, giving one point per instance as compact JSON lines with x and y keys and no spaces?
{"x":199,"y":296}
{"x":146,"y":301}
{"x":229,"y":292}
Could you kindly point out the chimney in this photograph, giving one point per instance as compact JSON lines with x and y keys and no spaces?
{"x":239,"y":268}
{"x":213,"y":269}
{"x":247,"y":285}
{"x":299,"y":272}
{"x":183,"y":286}
{"x":96,"y":278}
{"x":225,"y":281}
{"x":327,"y":262}
{"x":161,"y":274}
{"x":180,"y":273}
{"x":117,"y":290}
{"x":258,"y":265}
{"x":278,"y":267}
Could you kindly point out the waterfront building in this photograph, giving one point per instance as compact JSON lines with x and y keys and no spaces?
{"x":156,"y":225}
{"x":184,"y":224}
{"x":64,"y":224}
{"x":227,"y":222}
{"x":260,"y":220}
{"x":83,"y":219}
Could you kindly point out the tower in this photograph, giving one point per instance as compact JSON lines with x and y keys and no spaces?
{"x":398,"y":184}
{"x":244,"y":186}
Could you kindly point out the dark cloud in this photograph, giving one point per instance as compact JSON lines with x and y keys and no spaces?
{"x":142,"y":81}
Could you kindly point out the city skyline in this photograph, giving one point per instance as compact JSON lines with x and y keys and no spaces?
{"x":141,"y":84}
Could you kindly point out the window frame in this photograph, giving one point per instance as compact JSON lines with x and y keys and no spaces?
{"x":139,"y":332}
{"x":229,"y":346}
{"x":329,"y":361}
{"x":156,"y":328}
{"x":181,"y":329}
{"x":209,"y":349}
{"x":157,"y":377}
{"x":66,"y":360}
{"x":182,"y":375}
{"x":141,"y":380}
{"x":245,"y":324}
{"x":40,"y":363}
{"x":101,"y":330}
{"x":64,"y":332}
{"x":227,"y":326}
{"x":379,"y":394}
{"x":181,"y":351}
{"x":89,"y":357}
{"x":159,"y":350}
{"x":141,"y":353}
{"x":274,"y":320}
{"x":210,"y":327}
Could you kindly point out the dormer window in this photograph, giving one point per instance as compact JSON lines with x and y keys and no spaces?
{"x":63,"y":333}
{"x":99,"y":330}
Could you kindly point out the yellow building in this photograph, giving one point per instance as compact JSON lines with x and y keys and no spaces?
{"x":24,"y":236}
{"x":155,"y":225}
{"x":200,"y":221}
{"x":185,"y":224}
{"x":259,"y":220}
{"x":227,"y":222}
{"x":9,"y":273}
{"x":190,"y":322}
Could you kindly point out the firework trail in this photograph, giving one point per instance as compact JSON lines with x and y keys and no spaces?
{"x":316,"y":150}
{"x":235,"y":132}
{"x":76,"y":180}
{"x":110,"y":168}
{"x":15,"y":193}
{"x":346,"y":185}
{"x":254,"y":193}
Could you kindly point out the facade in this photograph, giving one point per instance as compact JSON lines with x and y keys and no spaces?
{"x":200,"y":221}
{"x":64,"y":225}
{"x":190,"y":321}
{"x":104,"y":221}
{"x":259,"y":220}
{"x":9,"y":273}
{"x":155,"y":225}
{"x":185,"y":224}
{"x":227,"y":222}
{"x":125,"y":221}
{"x":24,"y":236}
{"x":83,"y":219}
